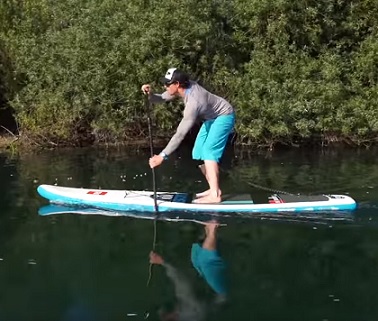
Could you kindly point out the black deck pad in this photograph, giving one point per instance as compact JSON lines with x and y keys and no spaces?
{"x":174,"y":197}
{"x":302,"y":198}
{"x":188,"y":197}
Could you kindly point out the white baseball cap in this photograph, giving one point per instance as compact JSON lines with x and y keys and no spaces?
{"x":174,"y":75}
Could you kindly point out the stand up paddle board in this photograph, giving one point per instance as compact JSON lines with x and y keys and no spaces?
{"x":324,"y":217}
{"x":127,"y":200}
{"x":54,"y":209}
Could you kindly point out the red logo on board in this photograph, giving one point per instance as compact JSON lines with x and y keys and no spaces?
{"x":275,"y":200}
{"x":97,"y":193}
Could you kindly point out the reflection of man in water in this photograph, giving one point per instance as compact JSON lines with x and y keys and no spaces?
{"x":210,"y":266}
{"x":208,"y":263}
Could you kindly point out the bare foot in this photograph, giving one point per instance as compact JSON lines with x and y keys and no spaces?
{"x":209,"y":199}
{"x":211,"y":227}
{"x":205,"y":193}
{"x":206,"y":223}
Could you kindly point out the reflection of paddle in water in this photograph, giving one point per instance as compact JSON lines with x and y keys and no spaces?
{"x":210,"y":266}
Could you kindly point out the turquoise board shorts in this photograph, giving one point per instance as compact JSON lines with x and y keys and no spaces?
{"x":212,"y":138}
{"x":210,"y":266}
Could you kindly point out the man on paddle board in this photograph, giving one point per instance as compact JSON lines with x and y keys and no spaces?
{"x":218,"y":118}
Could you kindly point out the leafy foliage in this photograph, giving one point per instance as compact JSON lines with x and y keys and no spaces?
{"x":294,"y":70}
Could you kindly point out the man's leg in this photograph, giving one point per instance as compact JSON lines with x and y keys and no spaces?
{"x":213,"y":149}
{"x":210,"y":242}
{"x":202,"y":168}
{"x":213,"y":194}
{"x":197,"y":152}
{"x":203,"y":171}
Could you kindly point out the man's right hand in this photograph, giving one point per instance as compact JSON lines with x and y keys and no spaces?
{"x":146,"y":89}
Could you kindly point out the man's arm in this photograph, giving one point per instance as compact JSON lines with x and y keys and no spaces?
{"x":183,"y":289}
{"x":160,"y":98}
{"x":187,"y":122}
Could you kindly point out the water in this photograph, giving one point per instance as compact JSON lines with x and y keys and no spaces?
{"x":77,"y":267}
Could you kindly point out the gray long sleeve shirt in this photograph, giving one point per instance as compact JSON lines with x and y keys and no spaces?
{"x":189,"y":307}
{"x":200,"y":104}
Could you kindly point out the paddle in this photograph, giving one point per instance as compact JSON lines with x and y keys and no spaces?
{"x":148,"y":108}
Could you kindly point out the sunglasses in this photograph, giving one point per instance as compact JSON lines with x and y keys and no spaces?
{"x":168,"y":84}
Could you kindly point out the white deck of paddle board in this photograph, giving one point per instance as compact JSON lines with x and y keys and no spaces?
{"x":123,"y":200}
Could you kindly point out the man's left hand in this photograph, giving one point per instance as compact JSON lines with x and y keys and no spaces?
{"x":156,"y":160}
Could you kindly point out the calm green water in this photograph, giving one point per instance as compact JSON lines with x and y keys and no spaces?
{"x":76,"y":267}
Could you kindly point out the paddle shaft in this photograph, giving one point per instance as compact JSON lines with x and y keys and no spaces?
{"x":148,"y":108}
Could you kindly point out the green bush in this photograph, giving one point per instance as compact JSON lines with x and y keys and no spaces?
{"x":295,"y":71}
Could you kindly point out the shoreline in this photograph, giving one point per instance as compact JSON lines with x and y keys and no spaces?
{"x":8,"y":142}
{"x":17,"y":143}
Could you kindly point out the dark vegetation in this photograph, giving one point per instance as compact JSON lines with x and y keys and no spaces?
{"x":297,"y":71}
